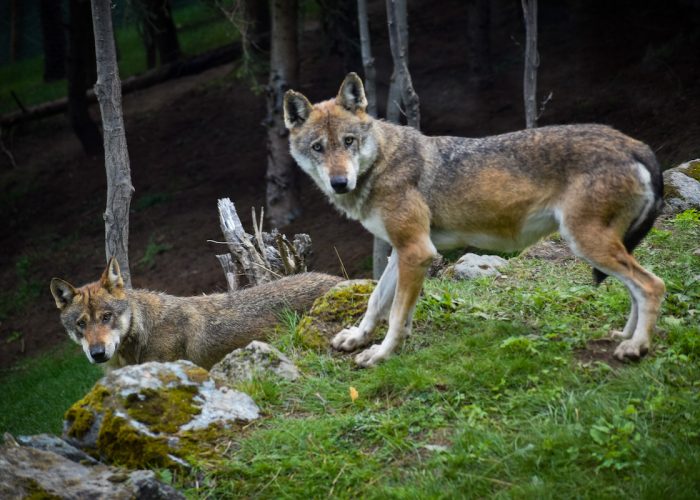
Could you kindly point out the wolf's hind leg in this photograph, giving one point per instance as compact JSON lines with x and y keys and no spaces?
{"x":353,"y":337}
{"x":600,"y":246}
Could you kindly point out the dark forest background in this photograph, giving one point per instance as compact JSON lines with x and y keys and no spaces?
{"x":198,"y":136}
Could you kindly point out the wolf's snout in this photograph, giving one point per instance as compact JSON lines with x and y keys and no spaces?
{"x":98,"y":353}
{"x":339,"y":183}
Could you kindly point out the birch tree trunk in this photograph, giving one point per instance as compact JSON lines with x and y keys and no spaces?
{"x":397,"y":18}
{"x":283,"y":204}
{"x":532,"y":61}
{"x":119,"y":187}
{"x":380,"y":248}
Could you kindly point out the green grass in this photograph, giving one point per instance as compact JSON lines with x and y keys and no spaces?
{"x":200,"y":28}
{"x":488,"y":397}
{"x":35,"y":393}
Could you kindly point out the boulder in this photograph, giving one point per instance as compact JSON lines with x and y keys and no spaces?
{"x":682,"y":187}
{"x":155,"y":415}
{"x":27,"y":472}
{"x":256,"y":358}
{"x":342,"y":306}
{"x":470,"y":266}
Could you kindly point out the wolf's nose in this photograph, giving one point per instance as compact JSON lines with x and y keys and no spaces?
{"x":339,"y":183}
{"x":97,"y":352}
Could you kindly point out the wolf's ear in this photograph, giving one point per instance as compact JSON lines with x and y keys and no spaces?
{"x":296,"y":109}
{"x":112,"y":277}
{"x":351,"y":95}
{"x":63,"y":292}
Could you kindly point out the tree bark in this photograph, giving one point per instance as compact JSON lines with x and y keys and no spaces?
{"x":532,"y":62}
{"x":397,"y":18}
{"x":81,"y":73}
{"x":53,"y":40}
{"x":119,"y":187}
{"x":479,"y":42}
{"x":380,"y":248}
{"x":162,"y":29}
{"x":283,"y":204}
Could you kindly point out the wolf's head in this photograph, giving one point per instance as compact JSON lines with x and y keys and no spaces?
{"x":333,"y":140}
{"x":96,"y":315}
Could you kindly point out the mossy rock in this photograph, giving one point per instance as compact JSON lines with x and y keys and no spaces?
{"x":342,"y":306}
{"x":155,"y":415}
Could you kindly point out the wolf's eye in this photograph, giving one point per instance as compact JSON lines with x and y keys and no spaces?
{"x":317,"y":147}
{"x":349,"y":141}
{"x":81,"y":323}
{"x":106,"y":317}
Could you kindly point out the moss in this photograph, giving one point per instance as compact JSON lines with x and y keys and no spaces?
{"x":197,"y":374}
{"x":338,"y":308}
{"x":163,"y":410}
{"x":34,"y":491}
{"x":121,"y":444}
{"x":693,"y":170}
{"x":81,"y":416}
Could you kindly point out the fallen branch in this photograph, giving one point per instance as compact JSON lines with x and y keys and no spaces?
{"x":185,"y":67}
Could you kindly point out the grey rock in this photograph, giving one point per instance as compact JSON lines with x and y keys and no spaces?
{"x":26,"y":471}
{"x":470,"y":266}
{"x":256,"y":358}
{"x":49,"y":442}
{"x":682,"y":187}
{"x":156,"y":404}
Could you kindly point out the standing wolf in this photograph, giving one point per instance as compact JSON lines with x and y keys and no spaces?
{"x":124,"y":327}
{"x":599,"y":188}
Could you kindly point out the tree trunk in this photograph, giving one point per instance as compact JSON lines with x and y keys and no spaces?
{"x":15,"y":21}
{"x":53,"y":40}
{"x":479,"y":42}
{"x":532,"y":61}
{"x":119,"y":187}
{"x":397,"y":18}
{"x":283,"y":204}
{"x":81,"y":73}
{"x":380,"y":248}
{"x":160,"y":17}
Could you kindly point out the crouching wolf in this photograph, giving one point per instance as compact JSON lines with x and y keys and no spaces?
{"x":599,"y":188}
{"x":123,"y":327}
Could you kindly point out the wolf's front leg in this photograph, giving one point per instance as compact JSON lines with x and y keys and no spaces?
{"x":413,"y":261}
{"x":353,"y":337}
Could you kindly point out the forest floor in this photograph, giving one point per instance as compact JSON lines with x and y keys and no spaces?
{"x":200,"y":138}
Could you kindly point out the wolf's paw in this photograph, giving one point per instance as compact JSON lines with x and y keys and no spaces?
{"x":629,"y":350}
{"x":349,"y":339}
{"x":620,"y":335}
{"x":372,"y":356}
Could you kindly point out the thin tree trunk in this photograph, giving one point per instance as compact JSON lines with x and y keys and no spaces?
{"x":53,"y":40}
{"x":119,"y":187}
{"x":81,"y":72}
{"x":367,"y":59}
{"x":380,"y":248}
{"x":532,"y":61}
{"x":283,"y":204}
{"x":15,"y":16}
{"x":164,"y":31}
{"x":398,"y":40}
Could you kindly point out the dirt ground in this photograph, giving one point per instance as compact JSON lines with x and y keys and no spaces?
{"x":197,"y":139}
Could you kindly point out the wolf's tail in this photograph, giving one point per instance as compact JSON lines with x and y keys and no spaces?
{"x":645,"y":220}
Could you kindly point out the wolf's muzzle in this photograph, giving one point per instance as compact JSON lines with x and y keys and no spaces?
{"x":339,"y":183}
{"x":98,"y":353}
